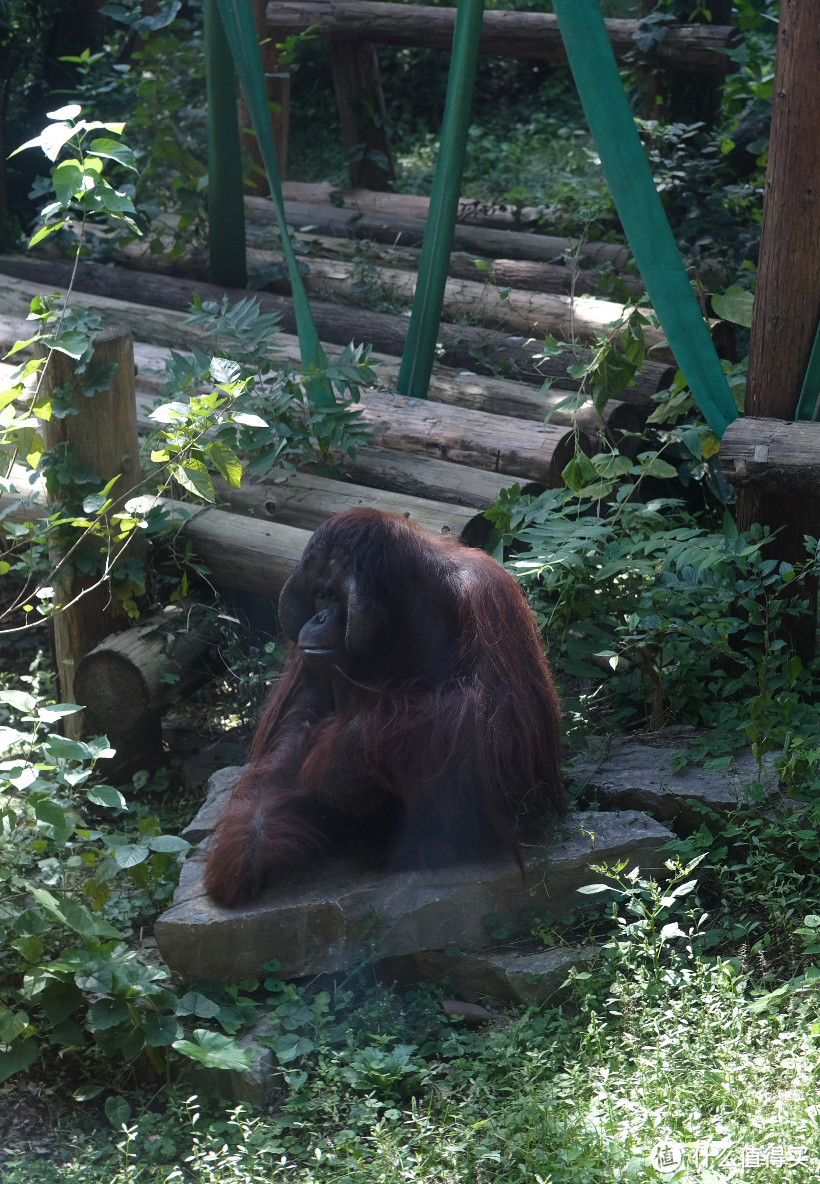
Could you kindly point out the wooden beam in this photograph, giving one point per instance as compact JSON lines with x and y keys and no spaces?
{"x":773,"y":456}
{"x":527,"y":36}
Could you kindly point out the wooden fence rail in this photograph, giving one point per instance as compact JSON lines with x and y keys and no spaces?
{"x":527,"y":36}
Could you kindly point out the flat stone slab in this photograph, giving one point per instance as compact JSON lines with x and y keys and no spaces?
{"x":528,"y":974}
{"x":333,"y":918}
{"x":637,"y":773}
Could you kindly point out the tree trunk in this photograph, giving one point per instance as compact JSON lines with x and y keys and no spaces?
{"x":362,"y":114}
{"x":787,"y":303}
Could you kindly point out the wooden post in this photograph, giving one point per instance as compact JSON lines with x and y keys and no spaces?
{"x":787,"y":303}
{"x":103,"y":434}
{"x":359,"y":96}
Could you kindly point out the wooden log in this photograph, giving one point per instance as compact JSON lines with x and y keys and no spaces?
{"x":126,"y":681}
{"x":362,"y":114}
{"x":775,"y":456}
{"x":462,"y":345}
{"x":524,"y":274}
{"x":526,"y":36}
{"x":475,"y":212}
{"x":496,"y":396}
{"x":103,"y":432}
{"x":385,"y":468}
{"x":495,"y":442}
{"x":389,"y":224}
{"x":240,"y":553}
{"x":244,"y":554}
{"x":306,"y":501}
{"x":564,"y":317}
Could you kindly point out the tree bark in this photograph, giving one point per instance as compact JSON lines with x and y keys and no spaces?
{"x":787,"y":302}
{"x":362,"y":113}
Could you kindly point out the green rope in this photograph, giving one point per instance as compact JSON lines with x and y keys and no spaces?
{"x":226,"y":204}
{"x":642,"y":215}
{"x":240,"y":31}
{"x":808,"y":405}
{"x":422,"y":333}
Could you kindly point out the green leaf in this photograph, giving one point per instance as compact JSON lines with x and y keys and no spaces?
{"x":94,"y":503}
{"x":655,"y":467}
{"x":169,"y":412}
{"x":67,"y":179}
{"x":215,"y":1051}
{"x":226,"y":461}
{"x":106,"y":795}
{"x":169,"y":843}
{"x":12,"y":1024}
{"x":611,"y":464}
{"x":51,"y":139}
{"x":60,"y":748}
{"x":114,"y":150}
{"x":117,"y":1111}
{"x":54,"y":816}
{"x":106,"y":1014}
{"x":224,"y":371}
{"x":73,"y":915}
{"x":193,"y":476}
{"x":735,"y":305}
{"x":55,"y":711}
{"x":45,"y":231}
{"x":21,"y":701}
{"x":70,"y":111}
{"x":249,"y":420}
{"x":579,"y":472}
{"x":131,"y":854}
{"x":17,"y":1058}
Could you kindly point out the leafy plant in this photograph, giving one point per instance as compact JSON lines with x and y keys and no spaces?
{"x":261,"y":407}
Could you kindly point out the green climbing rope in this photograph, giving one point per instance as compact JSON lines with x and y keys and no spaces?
{"x":240,"y":31}
{"x":645,"y":224}
{"x":422,"y":333}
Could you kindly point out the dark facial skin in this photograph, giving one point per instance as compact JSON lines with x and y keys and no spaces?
{"x":322,"y":638}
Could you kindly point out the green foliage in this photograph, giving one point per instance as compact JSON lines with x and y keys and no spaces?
{"x":66,"y":978}
{"x":151,"y":70}
{"x":261,"y":404}
{"x":80,"y":188}
{"x":84,"y":521}
{"x":688,"y":621}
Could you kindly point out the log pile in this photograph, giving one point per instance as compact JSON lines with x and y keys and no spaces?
{"x":485,"y":415}
{"x":441,"y":461}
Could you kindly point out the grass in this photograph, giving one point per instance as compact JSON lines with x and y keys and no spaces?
{"x":662,"y":1056}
